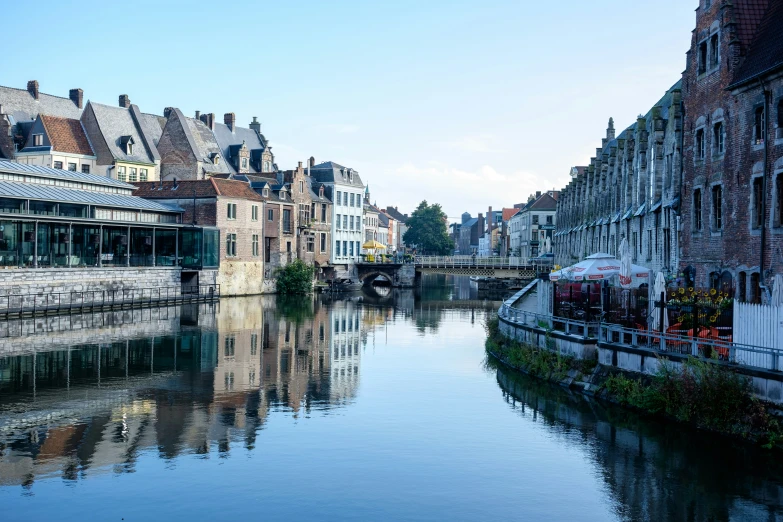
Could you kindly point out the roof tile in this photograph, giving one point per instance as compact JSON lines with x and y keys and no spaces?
{"x":66,"y":135}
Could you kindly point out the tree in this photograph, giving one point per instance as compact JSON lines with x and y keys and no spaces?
{"x":295,"y":278}
{"x":427,"y":230}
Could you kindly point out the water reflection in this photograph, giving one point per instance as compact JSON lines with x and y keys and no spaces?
{"x":654,"y":471}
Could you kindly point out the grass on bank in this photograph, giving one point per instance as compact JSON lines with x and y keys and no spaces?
{"x":706,"y":395}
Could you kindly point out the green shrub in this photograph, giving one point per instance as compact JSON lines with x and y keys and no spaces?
{"x":295,"y":278}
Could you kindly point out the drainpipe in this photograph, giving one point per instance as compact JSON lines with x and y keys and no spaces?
{"x":764,"y":189}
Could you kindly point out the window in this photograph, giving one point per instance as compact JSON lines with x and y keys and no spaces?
{"x":323,"y":212}
{"x":339,"y":196}
{"x":717,"y":139}
{"x":351,"y":223}
{"x":345,"y":222}
{"x":779,"y":132}
{"x":301,"y":187}
{"x":338,"y":222}
{"x":230,"y":345}
{"x":143,"y":175}
{"x":231,"y":245}
{"x":120,"y":173}
{"x":717,"y":207}
{"x":254,"y":213}
{"x":345,"y":199}
{"x":255,"y":245}
{"x":132,"y":174}
{"x":311,"y":243}
{"x":535,"y":235}
{"x":351,"y":248}
{"x":231,"y":210}
{"x":352,"y":199}
{"x":287,"y":221}
{"x":714,"y":50}
{"x":270,"y":215}
{"x":759,"y":126}
{"x":699,"y":144}
{"x":741,"y":287}
{"x":535,"y":219}
{"x":85,"y":169}
{"x":266,"y":192}
{"x":323,"y":243}
{"x":345,"y":248}
{"x":304,"y":214}
{"x":312,"y":211}
{"x":72,"y":167}
{"x":129,"y":147}
{"x":549,"y":220}
{"x":267,"y":166}
{"x":244,"y":163}
{"x":267,"y":249}
{"x":697,"y":209}
{"x":37,"y":140}
{"x":779,"y":201}
{"x":703,"y":57}
{"x":337,"y":249}
{"x":758,"y":203}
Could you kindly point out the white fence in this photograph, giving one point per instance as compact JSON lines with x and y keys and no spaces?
{"x":758,"y":325}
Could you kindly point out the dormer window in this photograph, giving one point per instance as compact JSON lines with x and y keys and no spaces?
{"x":266,"y":192}
{"x":267,"y":166}
{"x":127,"y":143}
{"x":216,"y":159}
{"x":282,"y":195}
{"x":244,"y":163}
{"x":37,"y":140}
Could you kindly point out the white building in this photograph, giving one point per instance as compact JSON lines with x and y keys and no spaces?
{"x":346,"y":190}
{"x":532,"y":226}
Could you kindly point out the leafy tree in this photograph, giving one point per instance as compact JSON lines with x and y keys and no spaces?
{"x":295,"y":278}
{"x":427,"y":230}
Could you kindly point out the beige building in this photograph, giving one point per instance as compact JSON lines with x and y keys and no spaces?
{"x":59,"y":143}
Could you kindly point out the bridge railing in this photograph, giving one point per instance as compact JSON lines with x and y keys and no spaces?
{"x":481,"y":262}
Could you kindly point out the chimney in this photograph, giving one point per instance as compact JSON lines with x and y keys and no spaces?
{"x":167,"y":112}
{"x":489,"y":218}
{"x":198,"y":115}
{"x":538,"y":194}
{"x":209,"y":120}
{"x":76,"y":96}
{"x":312,"y":161}
{"x":255,"y":125}
{"x":125,"y":101}
{"x":32,"y":88}
{"x":230,"y":119}
{"x":480,"y":223}
{"x":300,"y":166}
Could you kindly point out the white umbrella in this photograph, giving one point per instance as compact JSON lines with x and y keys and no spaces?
{"x":777,"y":291}
{"x":547,"y":245}
{"x":624,"y":254}
{"x":655,"y":312}
{"x":595,"y":268}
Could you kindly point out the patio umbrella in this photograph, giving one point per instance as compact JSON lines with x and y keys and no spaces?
{"x":624,"y":253}
{"x":373,"y":245}
{"x":596,"y":267}
{"x":655,"y":312}
{"x":777,"y":291}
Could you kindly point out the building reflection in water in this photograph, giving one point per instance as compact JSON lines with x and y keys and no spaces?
{"x":89,"y":393}
{"x":652,"y":470}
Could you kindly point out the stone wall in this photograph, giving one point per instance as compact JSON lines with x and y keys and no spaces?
{"x":42,"y":281}
{"x":241,"y":278}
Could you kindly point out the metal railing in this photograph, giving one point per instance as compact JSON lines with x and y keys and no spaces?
{"x":89,"y":300}
{"x":518,"y":317}
{"x":725,"y":350}
{"x":481,"y":262}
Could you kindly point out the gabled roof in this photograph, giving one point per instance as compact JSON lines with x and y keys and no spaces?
{"x":254,"y":141}
{"x":545,"y":202}
{"x":331,"y":172}
{"x":117,"y":125}
{"x":383,"y":219}
{"x":23,"y":107}
{"x":66,"y":135}
{"x":766,"y":51}
{"x":469,"y":223}
{"x":396,"y":214}
{"x":202,"y":188}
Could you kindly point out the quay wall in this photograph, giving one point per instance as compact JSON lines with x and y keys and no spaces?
{"x":42,"y":281}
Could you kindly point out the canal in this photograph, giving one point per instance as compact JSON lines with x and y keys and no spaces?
{"x":379,"y":405}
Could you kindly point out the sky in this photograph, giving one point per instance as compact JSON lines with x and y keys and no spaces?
{"x":468,"y":104}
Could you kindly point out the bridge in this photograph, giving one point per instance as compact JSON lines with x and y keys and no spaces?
{"x":404,"y":274}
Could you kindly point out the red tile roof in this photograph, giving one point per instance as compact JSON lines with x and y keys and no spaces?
{"x":508,"y":213}
{"x":66,"y":135}
{"x":206,"y":188}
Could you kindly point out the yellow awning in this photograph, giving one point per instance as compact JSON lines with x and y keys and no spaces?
{"x":373,"y":245}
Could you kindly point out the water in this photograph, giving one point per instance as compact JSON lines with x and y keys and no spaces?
{"x":375,"y":406}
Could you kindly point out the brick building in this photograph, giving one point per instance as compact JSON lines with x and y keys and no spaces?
{"x":732,"y":194}
{"x":236,"y":210}
{"x":188,"y":149}
{"x":313,"y":212}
